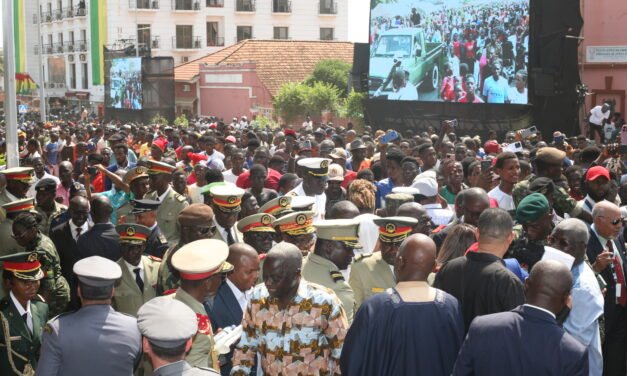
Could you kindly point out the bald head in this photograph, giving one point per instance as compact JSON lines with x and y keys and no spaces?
{"x":607,"y":219}
{"x":285,"y":255}
{"x":415,"y":258}
{"x":101,"y":209}
{"x":238,"y":252}
{"x":549,"y":285}
{"x":571,"y":236}
{"x":343,"y":210}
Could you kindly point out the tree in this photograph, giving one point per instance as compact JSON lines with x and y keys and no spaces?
{"x":322,"y":97}
{"x":290,"y":102}
{"x":331,"y":71}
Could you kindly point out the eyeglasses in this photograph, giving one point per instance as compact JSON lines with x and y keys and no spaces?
{"x":615,"y":221}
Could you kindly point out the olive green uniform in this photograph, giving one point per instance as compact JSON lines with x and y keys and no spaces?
{"x":128,"y":298}
{"x":25,"y":345}
{"x":322,"y":271}
{"x":168,"y":213}
{"x":46,"y":219}
{"x":370,"y":274}
{"x":562,"y":202}
{"x":167,"y":281}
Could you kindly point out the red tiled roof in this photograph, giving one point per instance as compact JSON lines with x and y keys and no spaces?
{"x":278,"y":61}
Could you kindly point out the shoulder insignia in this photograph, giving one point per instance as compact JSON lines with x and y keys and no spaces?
{"x":362,"y":256}
{"x":48,"y":329}
{"x":162,"y":238}
{"x":4,"y":304}
{"x":377,"y":289}
{"x":39,"y":298}
{"x":154,"y":258}
{"x":180,"y":197}
{"x":337,"y":276}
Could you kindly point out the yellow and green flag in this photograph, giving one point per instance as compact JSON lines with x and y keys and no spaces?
{"x":98,"y":33}
{"x":19,"y":36}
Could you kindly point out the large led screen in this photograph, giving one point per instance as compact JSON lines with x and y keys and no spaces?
{"x":126,"y":83}
{"x":462,"y":51}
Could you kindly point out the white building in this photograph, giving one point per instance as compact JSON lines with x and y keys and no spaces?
{"x":183,"y":29}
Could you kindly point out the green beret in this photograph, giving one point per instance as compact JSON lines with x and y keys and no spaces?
{"x":532,"y":208}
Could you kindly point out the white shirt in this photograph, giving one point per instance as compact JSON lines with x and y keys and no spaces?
{"x":438,"y":215}
{"x":516,"y":97}
{"x":242,"y":297}
{"x":31,"y":191}
{"x":223,"y":232}
{"x":597,"y":116}
{"x":22,"y":311}
{"x":73,"y":228}
{"x":407,"y":93}
{"x":194,"y":193}
{"x":230,"y":177}
{"x":319,"y":204}
{"x":131,"y":268}
{"x":368,"y":233}
{"x":505,"y":201}
{"x":162,"y":197}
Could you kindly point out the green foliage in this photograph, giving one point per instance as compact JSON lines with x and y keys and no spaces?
{"x":264,"y":122}
{"x":322,"y":97}
{"x":354,"y":105}
{"x":290,"y":102}
{"x":158,"y":119}
{"x":181,"y":121}
{"x":331,"y":71}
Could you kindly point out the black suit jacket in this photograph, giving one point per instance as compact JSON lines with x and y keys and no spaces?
{"x":594,"y":248}
{"x":524,"y":341}
{"x":225,"y":311}
{"x":101,"y":240}
{"x":67,"y":248}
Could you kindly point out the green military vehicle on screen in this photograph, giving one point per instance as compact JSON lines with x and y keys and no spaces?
{"x":406,"y":49}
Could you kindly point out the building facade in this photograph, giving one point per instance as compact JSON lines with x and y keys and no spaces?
{"x":68,"y":35}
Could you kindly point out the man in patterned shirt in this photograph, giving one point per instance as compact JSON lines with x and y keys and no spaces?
{"x":297,"y":327}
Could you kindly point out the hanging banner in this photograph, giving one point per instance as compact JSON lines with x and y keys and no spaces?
{"x":19,"y":35}
{"x":98,"y":33}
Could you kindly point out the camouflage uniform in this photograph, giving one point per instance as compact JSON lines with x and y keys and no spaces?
{"x":46,"y":219}
{"x":526,"y":251}
{"x":562,"y":202}
{"x":54,"y":288}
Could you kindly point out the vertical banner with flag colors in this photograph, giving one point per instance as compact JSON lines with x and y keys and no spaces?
{"x":19,"y":36}
{"x":98,"y":33}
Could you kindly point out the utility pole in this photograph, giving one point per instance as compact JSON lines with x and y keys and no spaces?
{"x":10,"y":101}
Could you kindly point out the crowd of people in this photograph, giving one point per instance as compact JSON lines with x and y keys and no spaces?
{"x":227,"y":248}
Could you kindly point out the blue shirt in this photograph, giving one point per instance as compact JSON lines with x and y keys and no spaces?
{"x":117,"y":198}
{"x":384,"y":188}
{"x":52,"y":152}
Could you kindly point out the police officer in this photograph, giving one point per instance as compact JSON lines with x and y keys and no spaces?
{"x":145,"y":212}
{"x":277,"y":207}
{"x":47,"y":207}
{"x":226,"y":202}
{"x":297,"y":228}
{"x":22,"y":314}
{"x":171,"y":202}
{"x":201,"y":266}
{"x":372,"y":273}
{"x":258,"y":232}
{"x":167,"y":326}
{"x":19,"y":180}
{"x":138,"y":182}
{"x":95,"y":340}
{"x":336,"y":240}
{"x":139,"y":273}
{"x":54,"y":287}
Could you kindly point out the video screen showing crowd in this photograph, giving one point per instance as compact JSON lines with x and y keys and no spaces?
{"x":450,"y":51}
{"x":126,"y":84}
{"x":235,"y":249}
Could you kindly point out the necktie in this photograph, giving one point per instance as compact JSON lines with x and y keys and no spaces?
{"x":138,"y":279}
{"x":229,"y":236}
{"x":25,"y":317}
{"x":621,"y":295}
{"x":78,"y":231}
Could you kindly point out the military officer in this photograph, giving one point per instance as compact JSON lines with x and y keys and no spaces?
{"x":297,"y":228}
{"x":226,"y":202}
{"x":315,"y":173}
{"x":302,"y":203}
{"x":138,"y":182}
{"x":9,"y":244}
{"x":139,"y":272}
{"x":277,"y":207}
{"x":201,"y":266}
{"x":145,"y":212}
{"x":171,"y":202}
{"x":205,"y":191}
{"x":22,"y":314}
{"x":19,"y":180}
{"x":196,"y":222}
{"x":95,"y":340}
{"x":54,"y":287}
{"x":258,"y":232}
{"x":334,"y":250}
{"x":167,"y":326}
{"x":372,"y":273}
{"x":47,"y":207}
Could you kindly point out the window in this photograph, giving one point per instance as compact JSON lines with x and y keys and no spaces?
{"x":72,"y":76}
{"x":143,"y":36}
{"x":215,"y":3}
{"x":143,"y":4}
{"x":245,"y":6}
{"x":183,"y":4}
{"x":328,"y":7}
{"x":212,"y":35}
{"x":281,"y":6}
{"x":244,"y":32}
{"x":280,"y":33}
{"x":60,"y":39}
{"x":71,"y":37}
{"x":84,"y":76}
{"x":326,"y":33}
{"x":183,"y":36}
{"x":186,"y":88}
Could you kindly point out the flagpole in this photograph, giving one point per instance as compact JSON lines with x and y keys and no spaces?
{"x":10,"y":101}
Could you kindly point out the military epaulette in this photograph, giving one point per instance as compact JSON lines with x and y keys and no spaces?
{"x":58,"y":316}
{"x":362,"y":256}
{"x":39,"y":298}
{"x":4,"y":304}
{"x":162,"y":238}
{"x":337,"y":276}
{"x":180,"y":197}
{"x":154,"y":258}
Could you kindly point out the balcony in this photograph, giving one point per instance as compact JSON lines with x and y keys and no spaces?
{"x":185,"y":5}
{"x":215,"y":3}
{"x":70,"y":47}
{"x":215,"y":42}
{"x":186,"y":43}
{"x":48,"y":49}
{"x":58,"y":48}
{"x":58,"y":15}
{"x":143,"y":5}
{"x":245,"y":6}
{"x":80,"y":46}
{"x":69,"y":12}
{"x":281,"y":6}
{"x":155,"y":43}
{"x":327,"y":7}
{"x":80,"y":12}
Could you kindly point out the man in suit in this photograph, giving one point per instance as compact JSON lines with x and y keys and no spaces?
{"x":139,"y":272}
{"x":101,"y":239}
{"x":480,"y":280}
{"x":94,"y":340}
{"x":171,"y":202}
{"x":226,"y":202}
{"x":145,"y":212}
{"x":372,"y":272}
{"x":528,"y":339}
{"x":228,"y":306}
{"x":65,"y":236}
{"x":22,"y":314}
{"x":606,"y":252}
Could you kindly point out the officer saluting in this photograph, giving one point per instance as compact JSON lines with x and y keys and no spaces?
{"x":168,"y":327}
{"x":22,"y":314}
{"x":95,"y":340}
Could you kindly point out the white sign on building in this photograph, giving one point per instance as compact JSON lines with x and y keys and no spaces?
{"x":606,"y":54}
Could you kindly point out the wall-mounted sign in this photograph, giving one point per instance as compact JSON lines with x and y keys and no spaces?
{"x":606,"y":54}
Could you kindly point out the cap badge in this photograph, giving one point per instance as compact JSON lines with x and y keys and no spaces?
{"x":301,"y":219}
{"x":390,"y":228}
{"x":141,"y":170}
{"x":283,"y":202}
{"x":324,"y":164}
{"x":231,"y":199}
{"x":265,"y":220}
{"x":32,"y":257}
{"x":130,"y":231}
